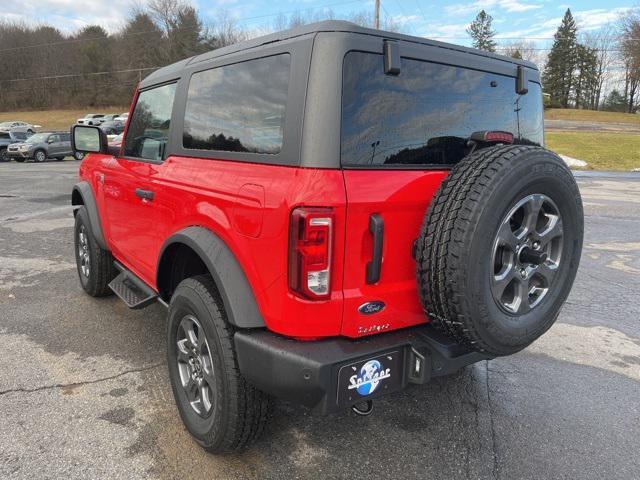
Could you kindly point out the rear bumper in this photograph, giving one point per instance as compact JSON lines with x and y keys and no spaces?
{"x":313,"y":373}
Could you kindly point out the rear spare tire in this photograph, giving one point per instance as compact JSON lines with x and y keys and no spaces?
{"x":499,"y":248}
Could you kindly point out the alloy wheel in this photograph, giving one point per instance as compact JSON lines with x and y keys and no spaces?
{"x":83,"y":251}
{"x":195,"y":366}
{"x":526,"y":254}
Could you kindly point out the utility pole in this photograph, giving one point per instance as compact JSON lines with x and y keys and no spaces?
{"x":377,"y":15}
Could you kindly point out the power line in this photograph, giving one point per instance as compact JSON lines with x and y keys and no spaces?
{"x":75,"y":75}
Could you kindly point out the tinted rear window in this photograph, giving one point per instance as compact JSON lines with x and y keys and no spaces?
{"x":238,"y":108}
{"x":425,"y":115}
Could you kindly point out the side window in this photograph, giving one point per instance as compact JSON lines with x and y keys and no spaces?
{"x":65,"y":137}
{"x":148,"y":132}
{"x":53,"y":138}
{"x":239,"y":107}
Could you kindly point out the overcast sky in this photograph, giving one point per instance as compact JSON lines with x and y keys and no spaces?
{"x":445,"y":20}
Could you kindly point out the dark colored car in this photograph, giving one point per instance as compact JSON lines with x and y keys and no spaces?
{"x":43,"y":145}
{"x":16,"y":134}
{"x":112,"y":127}
{"x":329,"y":214}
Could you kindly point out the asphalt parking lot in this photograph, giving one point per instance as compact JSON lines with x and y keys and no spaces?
{"x":84,"y":391}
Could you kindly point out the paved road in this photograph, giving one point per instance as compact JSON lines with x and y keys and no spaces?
{"x":84,"y":390}
{"x":580,"y":125}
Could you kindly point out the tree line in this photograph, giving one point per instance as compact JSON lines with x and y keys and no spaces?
{"x":579,"y":67}
{"x":43,"y":68}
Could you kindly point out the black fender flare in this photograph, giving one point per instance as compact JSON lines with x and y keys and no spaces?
{"x":237,"y":295}
{"x":83,"y":189}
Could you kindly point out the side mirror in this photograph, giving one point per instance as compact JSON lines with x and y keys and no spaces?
{"x":88,"y":139}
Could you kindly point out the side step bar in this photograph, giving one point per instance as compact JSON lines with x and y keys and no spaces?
{"x":131,"y":290}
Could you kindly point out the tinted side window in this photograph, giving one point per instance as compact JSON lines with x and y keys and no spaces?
{"x":425,"y":115}
{"x":53,"y":138}
{"x":238,"y":108}
{"x":148,"y":132}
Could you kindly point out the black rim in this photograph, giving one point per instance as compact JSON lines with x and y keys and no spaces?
{"x":195,"y":367}
{"x":526,"y":254}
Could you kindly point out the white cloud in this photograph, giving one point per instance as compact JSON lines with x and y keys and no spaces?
{"x":500,"y":6}
{"x":445,"y":31}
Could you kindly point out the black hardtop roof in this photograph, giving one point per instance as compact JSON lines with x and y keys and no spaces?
{"x":174,"y":70}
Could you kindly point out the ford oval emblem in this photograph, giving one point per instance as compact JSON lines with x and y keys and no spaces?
{"x":370,"y":308}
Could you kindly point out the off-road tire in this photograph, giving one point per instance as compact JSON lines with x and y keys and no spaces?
{"x":454,"y":258}
{"x":240,"y":412}
{"x":101,"y":268}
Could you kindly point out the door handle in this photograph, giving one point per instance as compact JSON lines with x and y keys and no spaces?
{"x":144,"y":194}
{"x":374,"y":267}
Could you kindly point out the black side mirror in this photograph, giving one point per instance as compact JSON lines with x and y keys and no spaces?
{"x":88,"y":139}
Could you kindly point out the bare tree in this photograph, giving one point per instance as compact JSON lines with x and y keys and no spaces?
{"x":630,"y":49}
{"x":526,"y":50}
{"x":603,"y":42}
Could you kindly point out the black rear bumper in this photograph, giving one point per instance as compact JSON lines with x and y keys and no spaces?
{"x":308,"y":373}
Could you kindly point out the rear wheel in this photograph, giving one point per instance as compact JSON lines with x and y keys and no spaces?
{"x":500,"y":247}
{"x":78,"y":155}
{"x":219,"y":408}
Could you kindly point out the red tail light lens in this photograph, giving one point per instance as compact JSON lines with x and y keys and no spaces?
{"x":503,"y":137}
{"x":310,"y":242}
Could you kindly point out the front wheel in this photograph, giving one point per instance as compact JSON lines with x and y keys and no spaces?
{"x":78,"y":155}
{"x":220,"y":409}
{"x":4,"y":156}
{"x":40,"y":156}
{"x":95,"y":265}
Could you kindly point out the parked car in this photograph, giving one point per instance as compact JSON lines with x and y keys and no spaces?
{"x":7,"y":126}
{"x":116,"y":141}
{"x":16,"y":134}
{"x":41,"y":146}
{"x":111,"y":117}
{"x":112,"y":127}
{"x":123,"y":117}
{"x":329,"y":248}
{"x":91,"y":119}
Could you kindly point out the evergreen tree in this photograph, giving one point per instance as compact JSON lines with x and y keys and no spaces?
{"x":615,"y":102}
{"x":481,"y":32}
{"x":558,"y":75}
{"x":586,"y":77}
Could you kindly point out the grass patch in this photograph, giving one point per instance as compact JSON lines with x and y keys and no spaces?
{"x":56,"y":119}
{"x":591,"y":116}
{"x":602,"y":151}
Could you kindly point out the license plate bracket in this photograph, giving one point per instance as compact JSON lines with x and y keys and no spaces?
{"x":370,"y":378}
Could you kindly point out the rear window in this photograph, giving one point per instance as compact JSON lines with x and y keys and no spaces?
{"x":239,"y":107}
{"x":425,"y":115}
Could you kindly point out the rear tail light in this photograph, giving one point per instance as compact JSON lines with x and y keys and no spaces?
{"x":310,"y":241}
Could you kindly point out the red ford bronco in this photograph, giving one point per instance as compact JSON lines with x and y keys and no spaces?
{"x":329,"y":214}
